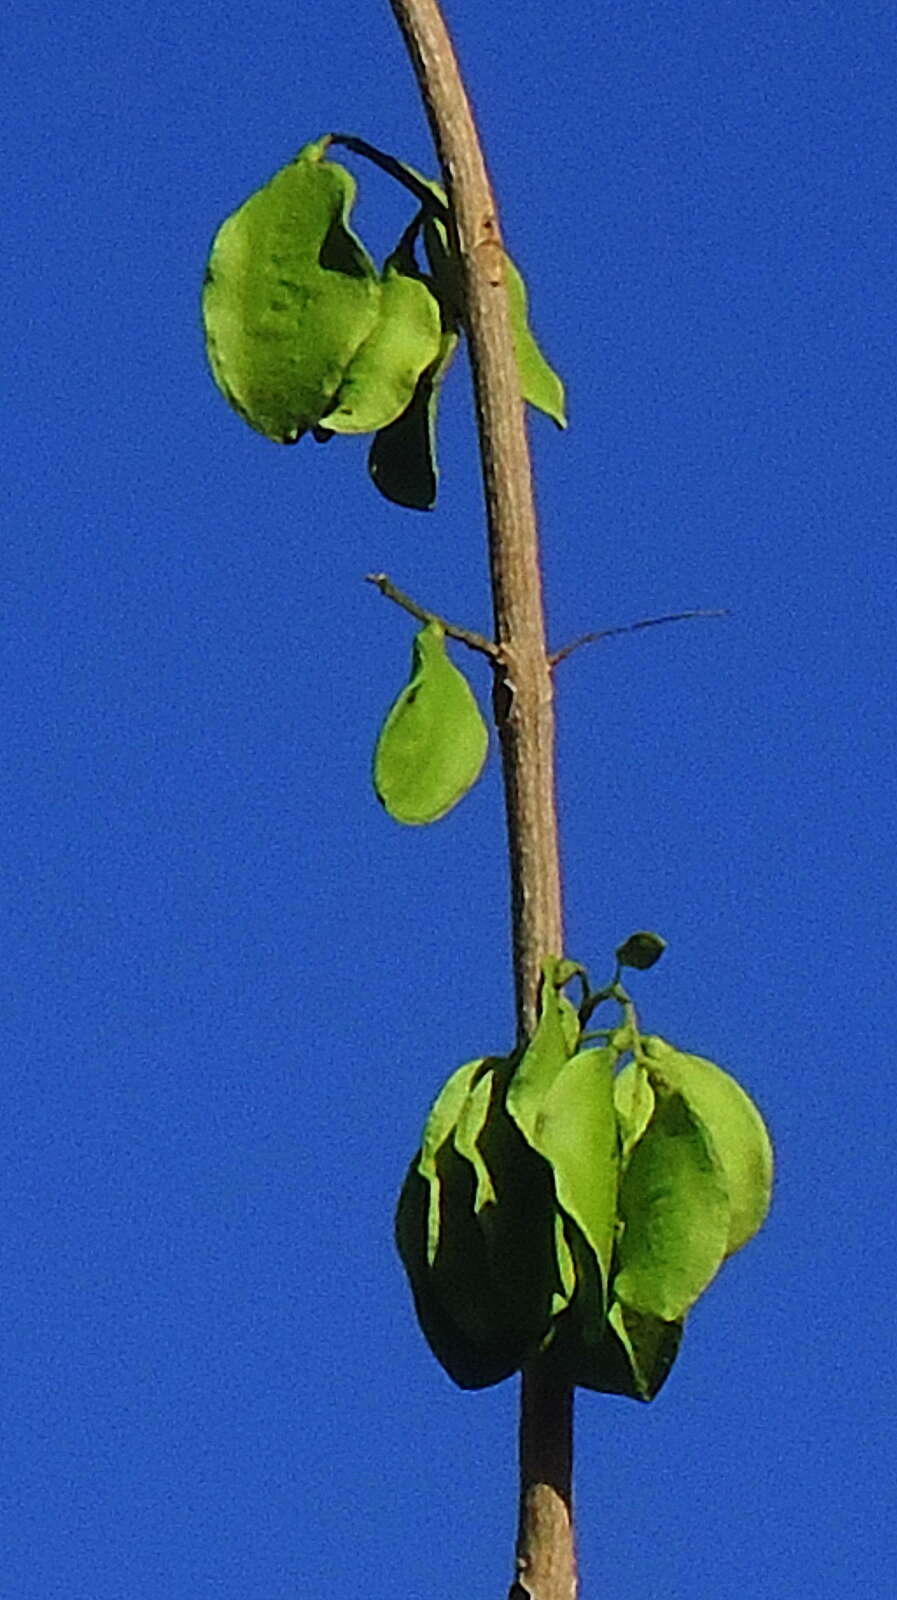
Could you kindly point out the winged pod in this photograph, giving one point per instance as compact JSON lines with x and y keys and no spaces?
{"x":433,"y":743}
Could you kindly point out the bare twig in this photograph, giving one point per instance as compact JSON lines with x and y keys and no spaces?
{"x":473,"y":641}
{"x":628,"y":627}
{"x":524,"y":711}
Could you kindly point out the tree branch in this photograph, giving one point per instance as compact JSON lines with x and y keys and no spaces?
{"x":524,"y":710}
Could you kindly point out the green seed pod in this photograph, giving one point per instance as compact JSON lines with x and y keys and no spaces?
{"x":433,"y":743}
{"x":290,"y":294}
{"x":540,"y":385}
{"x":402,"y":458}
{"x":674,"y":1210}
{"x":474,"y":1346}
{"x":634,"y":1103}
{"x":649,"y":1346}
{"x":516,"y":1212}
{"x":634,"y":1357}
{"x":735,"y":1126}
{"x":475,"y":1230}
{"x":443,"y":1251}
{"x":405,"y":341}
{"x":570,"y":1123}
{"x":562,"y":1102}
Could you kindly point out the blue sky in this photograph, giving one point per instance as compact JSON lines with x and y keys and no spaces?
{"x":232,"y":986}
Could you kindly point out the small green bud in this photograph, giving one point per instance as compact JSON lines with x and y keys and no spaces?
{"x":641,"y":950}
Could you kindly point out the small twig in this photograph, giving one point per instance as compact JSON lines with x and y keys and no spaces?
{"x":473,"y":641}
{"x":629,"y":627}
